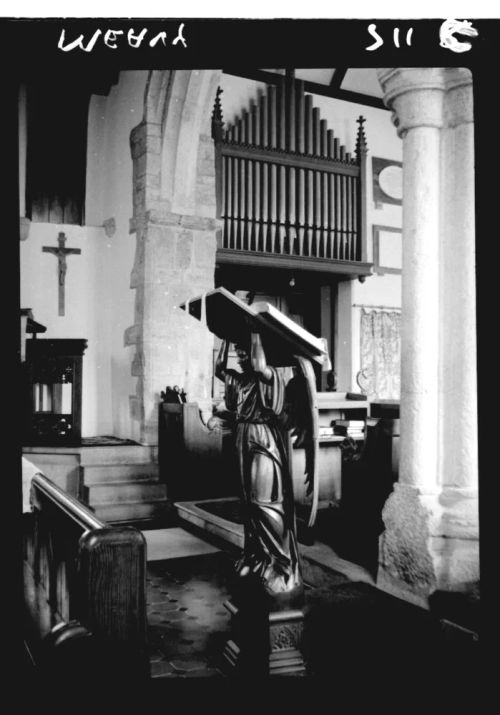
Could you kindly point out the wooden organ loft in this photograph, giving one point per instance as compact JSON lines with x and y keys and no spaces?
{"x":289,"y":194}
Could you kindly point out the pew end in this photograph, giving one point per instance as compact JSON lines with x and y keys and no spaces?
{"x":85,"y":592}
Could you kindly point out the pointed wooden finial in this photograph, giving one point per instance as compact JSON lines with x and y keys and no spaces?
{"x":217,"y":121}
{"x":361,"y":146}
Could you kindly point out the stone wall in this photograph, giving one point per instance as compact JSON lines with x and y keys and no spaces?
{"x":175,"y":225}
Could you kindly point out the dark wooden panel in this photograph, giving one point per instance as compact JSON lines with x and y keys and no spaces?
{"x":112,"y":580}
{"x":56,"y":152}
{"x":294,"y":263}
{"x":195,"y":462}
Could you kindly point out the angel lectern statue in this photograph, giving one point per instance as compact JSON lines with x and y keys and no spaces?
{"x":273,"y":394}
{"x":257,"y":397}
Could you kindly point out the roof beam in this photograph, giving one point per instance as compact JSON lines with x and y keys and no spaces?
{"x":324,"y":90}
{"x":338,"y":77}
{"x":345,"y":94}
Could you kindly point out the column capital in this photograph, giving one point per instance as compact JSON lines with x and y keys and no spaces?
{"x":459,"y":104}
{"x":415,"y":96}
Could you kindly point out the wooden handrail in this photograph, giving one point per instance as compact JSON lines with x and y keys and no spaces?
{"x":80,"y":569}
{"x":71,"y":506}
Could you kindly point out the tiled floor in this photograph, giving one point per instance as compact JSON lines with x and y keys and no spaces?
{"x":188,"y":624}
{"x":348,"y":624}
{"x":174,"y":543}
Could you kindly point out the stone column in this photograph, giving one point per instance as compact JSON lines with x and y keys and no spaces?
{"x":458,"y":467}
{"x":416,"y":555}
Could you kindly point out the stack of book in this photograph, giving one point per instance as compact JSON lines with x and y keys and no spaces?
{"x":325,"y":431}
{"x":349,"y":428}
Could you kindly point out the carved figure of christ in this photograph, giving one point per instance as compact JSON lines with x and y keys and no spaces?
{"x":61,"y":252}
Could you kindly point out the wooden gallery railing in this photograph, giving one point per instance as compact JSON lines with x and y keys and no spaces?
{"x":285,"y":185}
{"x":85,"y":585}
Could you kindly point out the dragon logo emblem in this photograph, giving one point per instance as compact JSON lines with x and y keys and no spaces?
{"x":450,"y":28}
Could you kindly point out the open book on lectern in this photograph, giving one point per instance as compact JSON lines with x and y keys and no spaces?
{"x":228,"y":317}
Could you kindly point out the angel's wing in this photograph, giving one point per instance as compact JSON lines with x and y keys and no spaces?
{"x":301,"y":417}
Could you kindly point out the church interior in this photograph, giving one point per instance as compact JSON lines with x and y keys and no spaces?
{"x":342,"y":197}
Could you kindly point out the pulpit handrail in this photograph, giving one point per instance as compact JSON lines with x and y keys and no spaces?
{"x":71,"y":506}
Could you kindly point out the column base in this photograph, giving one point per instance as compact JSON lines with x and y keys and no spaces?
{"x":430,"y":543}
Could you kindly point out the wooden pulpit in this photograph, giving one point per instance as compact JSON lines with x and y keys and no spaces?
{"x":54,"y":392}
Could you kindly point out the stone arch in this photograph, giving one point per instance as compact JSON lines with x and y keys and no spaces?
{"x":187,"y":116}
{"x":175,"y":225}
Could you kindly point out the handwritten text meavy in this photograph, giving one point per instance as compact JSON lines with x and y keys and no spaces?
{"x":112,"y":39}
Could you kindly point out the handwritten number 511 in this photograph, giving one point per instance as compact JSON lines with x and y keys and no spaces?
{"x":447,"y":39}
{"x":372,"y":29}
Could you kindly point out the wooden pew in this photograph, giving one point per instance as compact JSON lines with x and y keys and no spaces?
{"x":195,"y":461}
{"x":388,"y":412}
{"x":368,"y":478}
{"x":85,"y":586}
{"x":199,"y":463}
{"x":331,"y":406}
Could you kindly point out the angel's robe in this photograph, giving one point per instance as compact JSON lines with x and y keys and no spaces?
{"x":270,"y":547}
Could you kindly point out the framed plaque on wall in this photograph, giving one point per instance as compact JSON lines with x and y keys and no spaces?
{"x":387,"y":181}
{"x":387,"y":249}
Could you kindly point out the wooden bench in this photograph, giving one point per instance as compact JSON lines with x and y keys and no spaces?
{"x":84,"y":586}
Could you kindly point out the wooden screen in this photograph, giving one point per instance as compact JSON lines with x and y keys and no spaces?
{"x":285,"y":184}
{"x":56,"y":153}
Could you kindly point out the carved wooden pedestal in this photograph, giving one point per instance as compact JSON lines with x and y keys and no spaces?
{"x":264,"y":642}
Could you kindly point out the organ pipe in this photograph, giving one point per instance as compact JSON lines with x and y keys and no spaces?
{"x":288,"y":185}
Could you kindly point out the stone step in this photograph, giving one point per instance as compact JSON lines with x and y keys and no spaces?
{"x":224,"y":529}
{"x":130,"y":511}
{"x":120,"y":454}
{"x":141,"y":490}
{"x":321,"y":567}
{"x":104,"y":474}
{"x":110,"y":454}
{"x":44,"y":460}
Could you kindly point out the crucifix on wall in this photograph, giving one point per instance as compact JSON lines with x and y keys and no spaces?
{"x":60,"y":252}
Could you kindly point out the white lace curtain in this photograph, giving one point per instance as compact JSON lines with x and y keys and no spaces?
{"x":379,"y":376}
